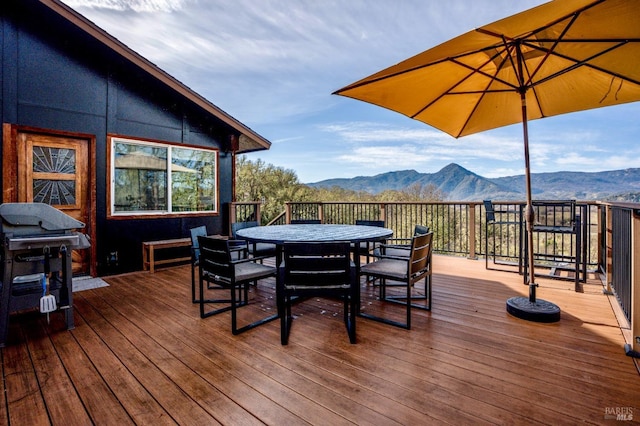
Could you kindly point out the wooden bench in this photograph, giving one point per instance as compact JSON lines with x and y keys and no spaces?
{"x":149,"y":248}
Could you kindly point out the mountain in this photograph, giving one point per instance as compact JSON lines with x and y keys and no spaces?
{"x":460,"y":184}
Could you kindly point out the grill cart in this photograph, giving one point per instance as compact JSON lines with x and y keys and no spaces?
{"x":37,"y":240}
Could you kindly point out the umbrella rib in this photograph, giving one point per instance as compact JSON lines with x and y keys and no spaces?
{"x":473,"y":70}
{"x":491,"y":80}
{"x":583,"y":62}
{"x":453,"y":59}
{"x":367,"y":81}
{"x":551,"y":50}
{"x":575,"y":13}
{"x":548,"y":52}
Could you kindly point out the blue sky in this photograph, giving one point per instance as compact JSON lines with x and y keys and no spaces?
{"x":273,"y":64}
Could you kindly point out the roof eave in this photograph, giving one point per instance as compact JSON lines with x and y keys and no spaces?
{"x":253,"y":141}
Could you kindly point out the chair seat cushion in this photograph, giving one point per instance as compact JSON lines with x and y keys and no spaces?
{"x":249,"y":271}
{"x":389,"y":268}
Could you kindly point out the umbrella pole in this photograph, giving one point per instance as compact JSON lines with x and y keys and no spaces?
{"x":529,"y":213}
{"x":530,"y":309}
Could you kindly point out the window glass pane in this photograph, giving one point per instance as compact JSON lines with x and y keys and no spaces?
{"x":140,"y":177}
{"x":193,"y":180}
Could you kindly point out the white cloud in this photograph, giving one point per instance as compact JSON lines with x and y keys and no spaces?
{"x":273,"y":64}
{"x":376,"y":141}
{"x":133,"y":5}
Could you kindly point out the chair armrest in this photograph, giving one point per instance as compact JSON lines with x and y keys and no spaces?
{"x":396,"y":246}
{"x":245,"y":260}
{"x":397,"y":242}
{"x":383,"y":247}
{"x":385,"y":256}
{"x":239,"y":246}
{"x":254,"y":258}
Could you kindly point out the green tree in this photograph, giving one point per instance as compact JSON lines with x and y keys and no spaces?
{"x":274,"y":186}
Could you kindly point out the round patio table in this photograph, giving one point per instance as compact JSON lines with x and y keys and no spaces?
{"x":278,"y":234}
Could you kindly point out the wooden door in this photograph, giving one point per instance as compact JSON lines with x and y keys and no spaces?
{"x":55,"y":170}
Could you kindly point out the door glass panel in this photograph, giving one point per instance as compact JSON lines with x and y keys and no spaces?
{"x":54,"y":160}
{"x":54,"y":192}
{"x":58,"y":186}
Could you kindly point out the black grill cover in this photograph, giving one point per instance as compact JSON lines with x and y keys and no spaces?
{"x":21,"y":219}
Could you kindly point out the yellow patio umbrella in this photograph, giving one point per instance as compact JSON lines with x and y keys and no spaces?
{"x":559,"y":57}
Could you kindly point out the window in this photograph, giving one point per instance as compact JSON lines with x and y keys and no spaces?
{"x":154,"y":178}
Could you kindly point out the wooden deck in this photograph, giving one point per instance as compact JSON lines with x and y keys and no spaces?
{"x":140,"y":354}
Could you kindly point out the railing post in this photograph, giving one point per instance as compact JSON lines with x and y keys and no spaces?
{"x":472,"y":231}
{"x":321,"y":212}
{"x":635,"y":285}
{"x":258,"y":218}
{"x":287,"y":213}
{"x":609,"y":249}
{"x":383,"y":212}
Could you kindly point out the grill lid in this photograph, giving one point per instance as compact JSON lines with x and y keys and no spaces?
{"x":35,"y":217}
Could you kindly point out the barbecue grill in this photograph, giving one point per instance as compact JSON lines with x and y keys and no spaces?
{"x":37,"y":240}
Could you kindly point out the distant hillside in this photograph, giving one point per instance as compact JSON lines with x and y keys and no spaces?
{"x":460,"y":184}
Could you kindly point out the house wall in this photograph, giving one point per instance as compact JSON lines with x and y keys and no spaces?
{"x":55,"y":76}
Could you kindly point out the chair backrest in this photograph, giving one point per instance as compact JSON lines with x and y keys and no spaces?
{"x":235,"y":227}
{"x":305,"y":222}
{"x":317,"y":265}
{"x":489,"y":211}
{"x":420,"y":257}
{"x":379,"y":223}
{"x":199,"y":231}
{"x":555,"y":213}
{"x":420,"y":230}
{"x":215,"y":258}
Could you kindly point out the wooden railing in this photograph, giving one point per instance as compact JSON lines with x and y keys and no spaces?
{"x":610,"y":235}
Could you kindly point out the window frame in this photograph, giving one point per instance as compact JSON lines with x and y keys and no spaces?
{"x":112,"y":140}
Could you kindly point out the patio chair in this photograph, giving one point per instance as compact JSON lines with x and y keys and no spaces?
{"x":499,"y":221}
{"x":401,"y":247}
{"x":200,"y":231}
{"x":218,"y":267}
{"x":317,"y":269}
{"x":260,"y":250}
{"x":369,"y":246}
{"x":305,"y":222}
{"x":394,"y":271}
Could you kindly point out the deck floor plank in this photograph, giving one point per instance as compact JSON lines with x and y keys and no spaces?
{"x":101,"y":404}
{"x":214,"y":341}
{"x":135,"y":399}
{"x":24,"y":402}
{"x":210,"y":383}
{"x":140,"y":354}
{"x":150,"y":375}
{"x":58,"y":391}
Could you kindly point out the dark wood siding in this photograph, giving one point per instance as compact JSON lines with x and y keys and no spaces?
{"x":55,"y":76}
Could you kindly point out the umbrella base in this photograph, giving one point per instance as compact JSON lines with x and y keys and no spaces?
{"x":540,"y":311}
